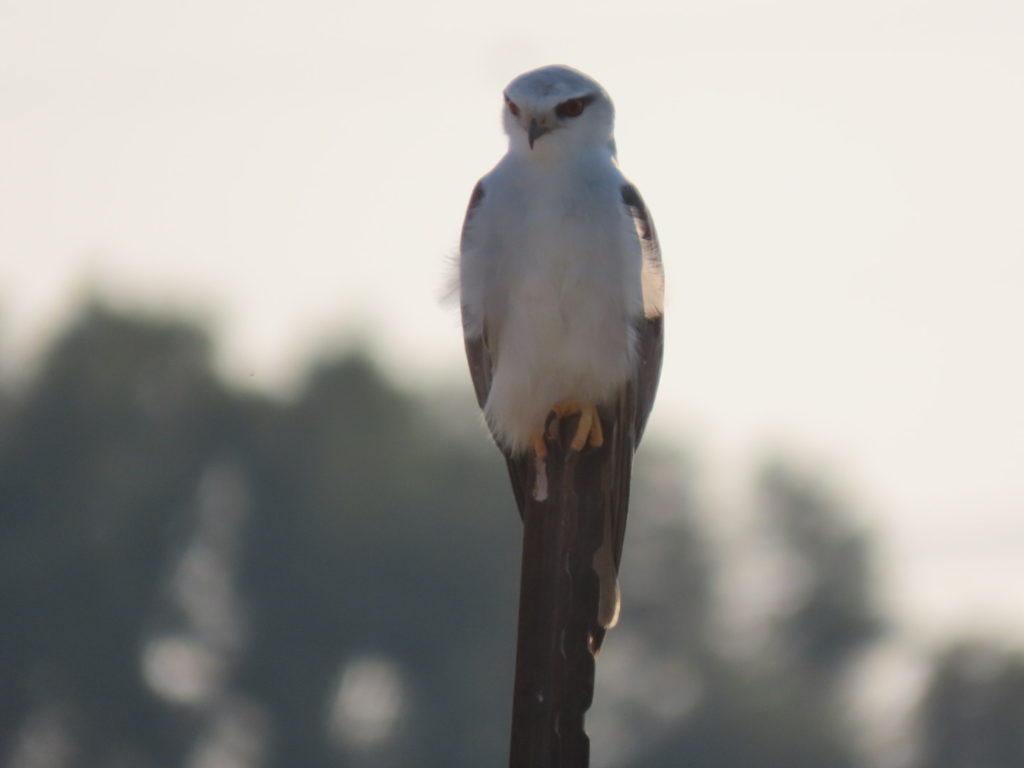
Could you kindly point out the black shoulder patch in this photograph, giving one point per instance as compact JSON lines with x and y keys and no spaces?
{"x":476,"y":197}
{"x":639,"y":211}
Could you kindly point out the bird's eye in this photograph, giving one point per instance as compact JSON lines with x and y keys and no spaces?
{"x":513,"y":107}
{"x":571,"y":108}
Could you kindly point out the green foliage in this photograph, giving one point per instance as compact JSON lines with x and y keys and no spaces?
{"x":973,"y":710}
{"x":193,"y":574}
{"x":832,"y":612}
{"x":97,"y":459}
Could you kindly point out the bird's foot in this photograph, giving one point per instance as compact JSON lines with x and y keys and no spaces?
{"x":540,"y":445}
{"x":587,"y":431}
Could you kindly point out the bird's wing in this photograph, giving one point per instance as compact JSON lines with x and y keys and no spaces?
{"x":627,"y":416}
{"x":481,"y":368}
{"x":649,"y":329}
{"x":478,"y":353}
{"x":633,"y":404}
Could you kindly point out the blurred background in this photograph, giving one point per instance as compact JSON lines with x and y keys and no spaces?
{"x":248,"y":513}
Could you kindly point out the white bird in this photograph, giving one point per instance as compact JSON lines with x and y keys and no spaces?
{"x":561,"y":287}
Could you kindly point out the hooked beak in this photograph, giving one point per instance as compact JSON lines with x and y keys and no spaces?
{"x":535,"y":131}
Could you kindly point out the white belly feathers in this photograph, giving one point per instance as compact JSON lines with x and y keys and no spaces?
{"x":563,"y":330}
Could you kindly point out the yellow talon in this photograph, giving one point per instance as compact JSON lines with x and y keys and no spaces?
{"x":540,"y":446}
{"x":589,"y":427}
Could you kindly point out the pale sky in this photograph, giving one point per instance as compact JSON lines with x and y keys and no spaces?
{"x":838,"y":189}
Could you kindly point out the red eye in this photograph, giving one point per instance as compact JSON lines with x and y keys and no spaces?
{"x":513,"y":108}
{"x":572,"y":107}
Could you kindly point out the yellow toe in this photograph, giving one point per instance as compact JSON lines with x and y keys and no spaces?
{"x":596,"y":433}
{"x":588,"y":430}
{"x":540,"y":446}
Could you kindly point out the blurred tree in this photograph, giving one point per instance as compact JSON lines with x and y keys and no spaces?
{"x":102,"y":452}
{"x":376,"y":534}
{"x":195,"y":575}
{"x":752,"y":715}
{"x":735,"y":711}
{"x":651,"y":673}
{"x":831,"y":608}
{"x":972,"y":713}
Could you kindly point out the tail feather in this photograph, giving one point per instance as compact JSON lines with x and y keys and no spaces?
{"x":607,"y":577}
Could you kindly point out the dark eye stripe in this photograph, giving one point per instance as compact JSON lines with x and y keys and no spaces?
{"x":586,"y":101}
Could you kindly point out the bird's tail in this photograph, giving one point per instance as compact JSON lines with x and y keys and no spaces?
{"x":608,"y":601}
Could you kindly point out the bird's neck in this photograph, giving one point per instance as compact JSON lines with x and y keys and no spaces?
{"x":556,"y":156}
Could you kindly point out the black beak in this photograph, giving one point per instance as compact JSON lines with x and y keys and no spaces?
{"x":534,"y":131}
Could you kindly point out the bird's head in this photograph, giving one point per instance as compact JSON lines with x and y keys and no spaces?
{"x":553,"y":111}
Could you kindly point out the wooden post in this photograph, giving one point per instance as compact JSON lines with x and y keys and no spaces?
{"x":554,"y":683}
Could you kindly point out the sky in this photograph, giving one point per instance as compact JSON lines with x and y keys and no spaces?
{"x":838,"y":189}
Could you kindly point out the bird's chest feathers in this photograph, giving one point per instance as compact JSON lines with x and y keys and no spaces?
{"x":566,"y":303}
{"x":564,"y":256}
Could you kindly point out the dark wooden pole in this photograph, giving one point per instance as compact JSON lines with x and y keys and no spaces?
{"x":554,"y":682}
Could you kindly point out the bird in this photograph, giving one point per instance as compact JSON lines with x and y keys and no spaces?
{"x":561,"y":286}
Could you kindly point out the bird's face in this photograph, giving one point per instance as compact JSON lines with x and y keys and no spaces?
{"x":553,"y":111}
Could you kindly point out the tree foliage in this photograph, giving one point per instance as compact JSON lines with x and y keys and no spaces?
{"x":973,"y":709}
{"x":193,"y":574}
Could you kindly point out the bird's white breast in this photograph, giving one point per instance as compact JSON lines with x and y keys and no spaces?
{"x":551,"y":273}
